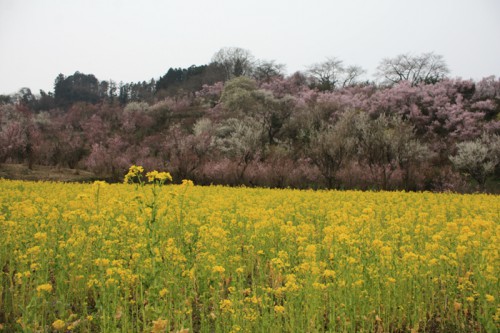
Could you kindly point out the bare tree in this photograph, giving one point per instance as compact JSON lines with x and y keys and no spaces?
{"x":235,"y":61}
{"x":332,"y":74}
{"x":351,"y":75}
{"x":265,"y":70}
{"x":426,"y":68}
{"x":327,"y":73}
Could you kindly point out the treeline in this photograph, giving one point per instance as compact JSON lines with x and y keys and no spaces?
{"x":241,"y":121}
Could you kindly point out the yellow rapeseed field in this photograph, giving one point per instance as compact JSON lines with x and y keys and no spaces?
{"x":151,"y":257}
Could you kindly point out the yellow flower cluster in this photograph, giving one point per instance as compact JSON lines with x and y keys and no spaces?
{"x":135,"y":172}
{"x":159,"y":176}
{"x":47,"y":287}
{"x":58,"y":325}
{"x":117,"y":257}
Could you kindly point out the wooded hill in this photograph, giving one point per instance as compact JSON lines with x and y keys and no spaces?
{"x":241,"y":121}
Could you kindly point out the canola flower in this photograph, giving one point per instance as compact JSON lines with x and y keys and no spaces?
{"x":136,"y":173}
{"x":58,"y":325}
{"x":160,"y":257}
{"x":47,"y":287}
{"x":158,"y":176}
{"x":133,"y":172}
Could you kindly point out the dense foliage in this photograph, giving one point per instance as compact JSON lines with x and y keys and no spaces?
{"x":184,"y":258}
{"x":239,"y":120}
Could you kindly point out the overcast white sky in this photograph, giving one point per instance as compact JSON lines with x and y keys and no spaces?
{"x":132,"y":40}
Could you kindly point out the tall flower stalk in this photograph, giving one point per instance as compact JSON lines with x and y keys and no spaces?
{"x":157,"y":180}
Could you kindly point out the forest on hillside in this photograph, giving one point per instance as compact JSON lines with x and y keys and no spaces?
{"x":242,"y":121}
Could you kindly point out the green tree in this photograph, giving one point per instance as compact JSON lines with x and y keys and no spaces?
{"x":237,"y":95}
{"x":78,"y":87}
{"x":387,"y":143}
{"x":331,"y":147}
